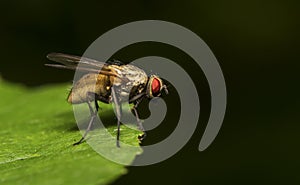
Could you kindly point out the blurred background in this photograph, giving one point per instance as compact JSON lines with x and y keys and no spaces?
{"x":255,"y":42}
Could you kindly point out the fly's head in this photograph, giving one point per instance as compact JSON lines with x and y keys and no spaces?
{"x":155,"y":87}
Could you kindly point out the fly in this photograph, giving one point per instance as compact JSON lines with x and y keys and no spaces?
{"x":104,"y":81}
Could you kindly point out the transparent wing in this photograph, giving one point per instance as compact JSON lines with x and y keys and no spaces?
{"x":73,"y":62}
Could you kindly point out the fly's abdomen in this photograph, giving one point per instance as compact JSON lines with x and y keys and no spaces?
{"x":90,"y":84}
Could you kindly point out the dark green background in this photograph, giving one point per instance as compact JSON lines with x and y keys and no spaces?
{"x":255,"y":42}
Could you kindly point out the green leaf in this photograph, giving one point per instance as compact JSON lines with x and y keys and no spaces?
{"x":37,"y":130}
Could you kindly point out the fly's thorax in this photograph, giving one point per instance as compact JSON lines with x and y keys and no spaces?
{"x":132,"y":81}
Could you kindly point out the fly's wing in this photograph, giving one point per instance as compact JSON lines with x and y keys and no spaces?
{"x":73,"y":62}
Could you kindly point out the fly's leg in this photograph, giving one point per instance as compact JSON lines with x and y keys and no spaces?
{"x":137,"y":99}
{"x":96,"y":106}
{"x":93,"y":116}
{"x":118,"y":112}
{"x":141,"y":136}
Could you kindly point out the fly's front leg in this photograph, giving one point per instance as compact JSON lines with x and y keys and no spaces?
{"x":137,"y":99}
{"x":141,"y":136}
{"x":93,"y":113}
{"x":118,"y":113}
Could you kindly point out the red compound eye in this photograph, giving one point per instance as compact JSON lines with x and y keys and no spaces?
{"x":155,"y":86}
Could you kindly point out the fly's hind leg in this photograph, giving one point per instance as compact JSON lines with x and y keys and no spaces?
{"x":93,"y":113}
